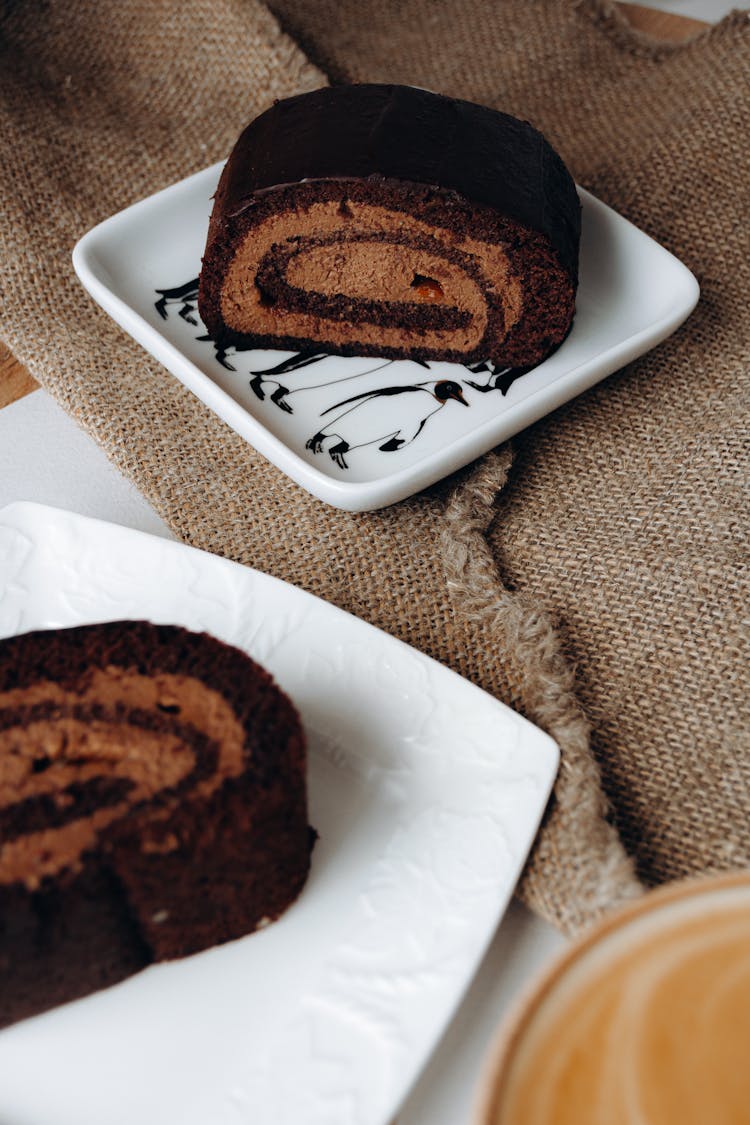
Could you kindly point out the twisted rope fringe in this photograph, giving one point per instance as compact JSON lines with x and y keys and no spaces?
{"x":547,"y":697}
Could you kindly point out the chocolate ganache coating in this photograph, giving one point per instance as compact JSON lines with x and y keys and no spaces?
{"x":405,"y":133}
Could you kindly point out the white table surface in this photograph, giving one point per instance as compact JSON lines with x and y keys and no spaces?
{"x":45,"y":457}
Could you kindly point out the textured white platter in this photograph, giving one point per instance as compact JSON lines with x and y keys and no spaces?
{"x":426,"y":792}
{"x":141,"y":265}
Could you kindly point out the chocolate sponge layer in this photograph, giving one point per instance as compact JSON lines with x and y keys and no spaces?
{"x":386,"y":220}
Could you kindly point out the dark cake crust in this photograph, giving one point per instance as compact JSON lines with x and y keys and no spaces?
{"x":461,"y":170}
{"x":206,"y":857}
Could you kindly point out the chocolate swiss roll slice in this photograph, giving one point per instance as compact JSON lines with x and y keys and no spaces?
{"x":152,"y":804}
{"x":387,"y":220}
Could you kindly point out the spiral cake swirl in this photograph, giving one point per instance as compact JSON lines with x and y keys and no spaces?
{"x":386,"y":220}
{"x":152,"y":803}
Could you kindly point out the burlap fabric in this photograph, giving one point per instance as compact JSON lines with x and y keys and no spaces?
{"x":604,"y":592}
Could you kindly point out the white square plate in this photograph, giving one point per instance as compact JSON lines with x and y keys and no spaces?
{"x":426,"y":793}
{"x":142,"y":264}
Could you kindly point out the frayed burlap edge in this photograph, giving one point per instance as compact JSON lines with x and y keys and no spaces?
{"x":529,"y":639}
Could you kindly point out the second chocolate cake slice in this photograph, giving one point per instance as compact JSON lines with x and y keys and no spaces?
{"x":152,"y":804}
{"x":387,"y":220}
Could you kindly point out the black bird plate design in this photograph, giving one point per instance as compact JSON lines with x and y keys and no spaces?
{"x":348,"y":411}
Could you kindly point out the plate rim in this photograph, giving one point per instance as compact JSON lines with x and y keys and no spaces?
{"x":370,"y":495}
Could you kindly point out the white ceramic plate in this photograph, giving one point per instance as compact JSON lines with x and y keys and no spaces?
{"x":142,"y":264}
{"x":426,"y":793}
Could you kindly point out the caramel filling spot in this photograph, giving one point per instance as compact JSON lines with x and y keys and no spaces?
{"x":427,"y":289}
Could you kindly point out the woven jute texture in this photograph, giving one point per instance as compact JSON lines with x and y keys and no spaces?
{"x":598,"y":581}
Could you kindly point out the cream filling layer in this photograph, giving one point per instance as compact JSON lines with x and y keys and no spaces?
{"x":74,"y":752}
{"x":363,"y":268}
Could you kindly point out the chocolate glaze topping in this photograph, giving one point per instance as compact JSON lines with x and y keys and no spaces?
{"x":403,"y":133}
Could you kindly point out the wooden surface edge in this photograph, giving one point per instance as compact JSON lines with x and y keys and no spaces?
{"x":662,"y":25}
{"x":15,"y":381}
